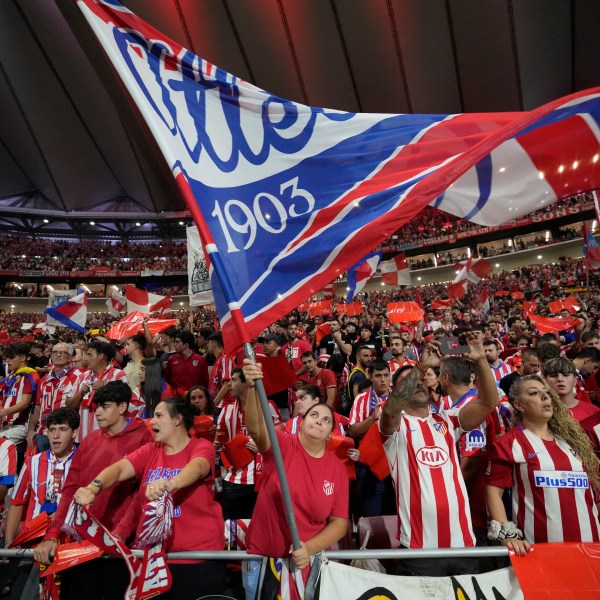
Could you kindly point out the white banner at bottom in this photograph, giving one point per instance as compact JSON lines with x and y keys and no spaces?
{"x":340,"y":582}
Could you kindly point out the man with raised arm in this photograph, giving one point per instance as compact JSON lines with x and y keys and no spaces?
{"x":433,"y":507}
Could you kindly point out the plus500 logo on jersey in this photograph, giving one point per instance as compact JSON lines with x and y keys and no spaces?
{"x":432,"y":456}
{"x":561,"y":479}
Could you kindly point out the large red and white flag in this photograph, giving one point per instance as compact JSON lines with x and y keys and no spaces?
{"x":240,"y":154}
{"x":115,"y":303}
{"x":479,"y":269}
{"x":144,"y":301}
{"x":395,"y":271}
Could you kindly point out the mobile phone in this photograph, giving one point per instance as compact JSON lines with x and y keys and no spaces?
{"x":452,"y":345}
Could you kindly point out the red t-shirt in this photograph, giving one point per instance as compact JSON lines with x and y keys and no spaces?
{"x":197,"y":518}
{"x":319,"y":490}
{"x":324,"y":380}
{"x":183,"y":373}
{"x":583,"y":410}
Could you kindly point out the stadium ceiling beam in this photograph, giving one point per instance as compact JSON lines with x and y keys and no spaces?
{"x":73,"y":215}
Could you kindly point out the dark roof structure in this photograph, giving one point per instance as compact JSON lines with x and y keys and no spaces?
{"x":73,"y":150}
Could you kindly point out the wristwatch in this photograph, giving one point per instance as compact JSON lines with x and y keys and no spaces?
{"x":98,"y":484}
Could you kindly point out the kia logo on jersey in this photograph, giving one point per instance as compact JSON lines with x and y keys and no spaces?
{"x":328,"y":487}
{"x":432,"y":456}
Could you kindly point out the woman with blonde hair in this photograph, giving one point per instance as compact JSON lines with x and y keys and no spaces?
{"x":549,"y":462}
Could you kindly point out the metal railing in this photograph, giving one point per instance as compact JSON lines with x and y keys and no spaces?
{"x":483,"y":552}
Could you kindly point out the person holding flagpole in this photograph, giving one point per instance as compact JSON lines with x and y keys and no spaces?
{"x":319,"y":489}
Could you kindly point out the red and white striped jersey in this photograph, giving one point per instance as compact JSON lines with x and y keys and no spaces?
{"x":398,"y":364}
{"x":293,"y":425}
{"x":53,"y":390}
{"x":433,"y":507}
{"x":14,"y":387}
{"x":502,"y":370}
{"x":551,"y":495}
{"x":363,"y":406}
{"x":8,"y":462}
{"x":40,"y":481}
{"x":87,"y":409}
{"x":221,"y":372}
{"x":232,"y":420}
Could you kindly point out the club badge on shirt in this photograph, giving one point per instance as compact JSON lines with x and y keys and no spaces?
{"x":328,"y":487}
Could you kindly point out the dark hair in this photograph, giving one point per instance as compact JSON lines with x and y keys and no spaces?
{"x":378,"y":365}
{"x":362,"y":347}
{"x":186,"y":337}
{"x":312,"y":390}
{"x":151,"y":387}
{"x":530,"y":353}
{"x":589,"y":352}
{"x":177,"y":406}
{"x":307,"y":353}
{"x":103,"y":348}
{"x":140,"y":340}
{"x":547,"y":351}
{"x":63,"y":416}
{"x":561,"y":364}
{"x":210,"y":405}
{"x":206,"y":332}
{"x":217,"y":338}
{"x":114,"y":391}
{"x":458,"y":369}
{"x":172,"y":332}
{"x":17,"y":349}
{"x":240,"y":372}
{"x":588,"y":336}
{"x":336,"y":363}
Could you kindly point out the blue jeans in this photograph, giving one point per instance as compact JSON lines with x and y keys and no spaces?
{"x":251,"y":577}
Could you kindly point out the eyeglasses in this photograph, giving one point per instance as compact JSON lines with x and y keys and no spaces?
{"x":60,"y":352}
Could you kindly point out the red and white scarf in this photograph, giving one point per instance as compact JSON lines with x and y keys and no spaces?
{"x":149,"y":576}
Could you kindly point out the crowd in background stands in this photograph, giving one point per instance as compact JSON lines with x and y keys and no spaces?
{"x":433,"y":222}
{"x":531,"y":279}
{"x":44,"y":254}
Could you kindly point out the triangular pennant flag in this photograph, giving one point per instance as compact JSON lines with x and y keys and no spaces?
{"x":71,"y":313}
{"x":395,"y":271}
{"x":360,"y":273}
{"x":144,"y":301}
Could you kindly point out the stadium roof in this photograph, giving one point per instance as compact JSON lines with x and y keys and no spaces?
{"x":72,"y":149}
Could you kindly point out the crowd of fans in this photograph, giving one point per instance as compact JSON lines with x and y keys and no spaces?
{"x":348,"y":374}
{"x":431,"y":222}
{"x":34,"y":253}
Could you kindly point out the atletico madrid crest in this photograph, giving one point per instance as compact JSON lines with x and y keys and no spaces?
{"x":441,"y":428}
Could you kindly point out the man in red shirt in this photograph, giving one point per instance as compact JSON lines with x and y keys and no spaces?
{"x":185,"y":368}
{"x":324,"y":379}
{"x":117,"y":437}
{"x":294,"y":348}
